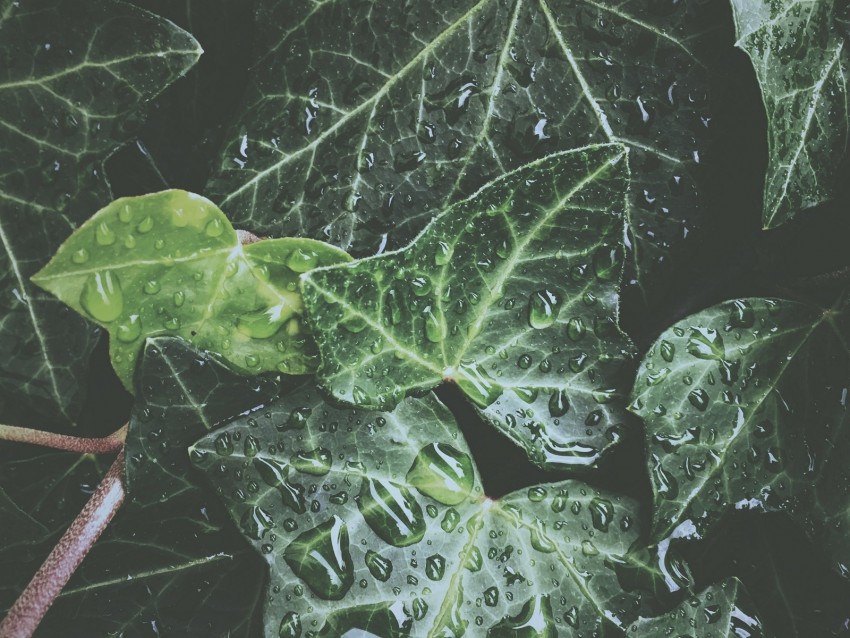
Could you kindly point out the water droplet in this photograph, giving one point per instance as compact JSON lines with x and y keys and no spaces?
{"x":80,"y":256}
{"x":101,"y":296}
{"x":742,"y":314}
{"x":443,"y":254}
{"x":317,"y":462}
{"x":145,"y":226}
{"x":576,"y":328}
{"x":699,"y":399}
{"x":559,"y":403}
{"x":301,"y":260}
{"x":381,"y":568}
{"x":524,"y":361}
{"x":179,"y":298}
{"x":668,"y":351}
{"x":443,"y":473}
{"x":129,"y":330}
{"x":601,"y":513}
{"x":391,"y":511}
{"x":256,"y":522}
{"x":435,"y":324}
{"x":290,"y":626}
{"x":321,"y":557}
{"x":435,"y":567}
{"x":534,"y":620}
{"x":706,"y":343}
{"x":214,"y":228}
{"x":476,"y":382}
{"x":276,"y":474}
{"x":421,"y":286}
{"x":263,"y":324}
{"x":665,"y":483}
{"x":104,"y":235}
{"x":543,"y":308}
{"x":151,"y":287}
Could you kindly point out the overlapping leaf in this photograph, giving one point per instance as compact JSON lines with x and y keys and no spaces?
{"x":375,"y":523}
{"x":745,"y":405}
{"x":72,"y":79}
{"x":170,"y":263}
{"x":364,"y":119}
{"x":511,"y":294}
{"x":721,"y":611}
{"x":802,"y":67}
{"x":170,"y":562}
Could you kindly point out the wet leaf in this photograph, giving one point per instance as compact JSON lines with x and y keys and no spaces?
{"x":721,"y":611}
{"x":389,"y":113}
{"x":72,"y":80}
{"x":511,"y":294}
{"x":171,"y":264}
{"x":802,"y":66}
{"x":170,"y":562}
{"x":746,"y":408}
{"x":386,"y":531}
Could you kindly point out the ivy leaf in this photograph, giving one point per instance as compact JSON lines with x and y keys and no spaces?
{"x":745,"y":408}
{"x":375,"y":523}
{"x":72,"y":79}
{"x":170,"y":561}
{"x":388,"y":113}
{"x":802,"y":67}
{"x":511,"y":294}
{"x":170,"y":263}
{"x":721,"y":611}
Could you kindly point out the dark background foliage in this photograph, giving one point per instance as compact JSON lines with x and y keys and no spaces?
{"x":729,"y":256}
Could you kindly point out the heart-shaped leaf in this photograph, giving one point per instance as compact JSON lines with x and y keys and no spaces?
{"x":387,"y":113}
{"x":511,"y":294}
{"x":72,"y":79}
{"x":745,"y":405}
{"x":171,"y":264}
{"x":721,"y":611}
{"x":170,"y":561}
{"x":375,"y":524}
{"x":802,"y":67}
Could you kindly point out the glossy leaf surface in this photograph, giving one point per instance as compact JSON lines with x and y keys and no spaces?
{"x":375,"y":523}
{"x":170,"y":561}
{"x":73,"y":78}
{"x":745,"y":406}
{"x":721,"y":611}
{"x":802,"y":66}
{"x":171,"y":264}
{"x":511,"y":294}
{"x":364,"y":120}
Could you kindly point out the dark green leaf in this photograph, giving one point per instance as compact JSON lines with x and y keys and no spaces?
{"x":721,"y":611}
{"x":170,"y":562}
{"x":745,"y":405}
{"x":802,"y":67}
{"x":72,"y":79}
{"x":511,"y":294}
{"x":376,"y":522}
{"x":363,"y":120}
{"x":170,"y":263}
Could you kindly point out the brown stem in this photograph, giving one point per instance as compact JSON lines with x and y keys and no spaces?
{"x":51,"y":577}
{"x":111,"y":443}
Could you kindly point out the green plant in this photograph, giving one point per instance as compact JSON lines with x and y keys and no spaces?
{"x":456,"y":355}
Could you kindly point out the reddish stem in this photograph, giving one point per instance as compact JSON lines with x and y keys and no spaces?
{"x":51,"y":577}
{"x":111,"y":443}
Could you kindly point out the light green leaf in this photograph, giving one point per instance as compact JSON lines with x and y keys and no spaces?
{"x":745,"y":406}
{"x":364,"y":120}
{"x":511,"y":294}
{"x":802,"y":67}
{"x":171,"y":264}
{"x":73,"y":77}
{"x":375,"y":524}
{"x":721,"y":611}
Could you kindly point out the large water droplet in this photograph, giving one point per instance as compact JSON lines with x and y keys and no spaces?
{"x":601,"y":513}
{"x":435,"y":324}
{"x":276,"y":474}
{"x":534,"y":620}
{"x":256,"y":522}
{"x":706,"y":343}
{"x":129,"y":330}
{"x":543,"y":308}
{"x":101,"y":296}
{"x":477,"y":383}
{"x":316,"y":462}
{"x":301,"y":260}
{"x":290,"y":626}
{"x":381,"y":568}
{"x":442,"y":473}
{"x":321,"y":557}
{"x":262,"y":324}
{"x":104,"y":235}
{"x":391,"y":511}
{"x":435,"y":567}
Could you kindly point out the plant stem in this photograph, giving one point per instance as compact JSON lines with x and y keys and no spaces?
{"x":51,"y":577}
{"x":111,"y":443}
